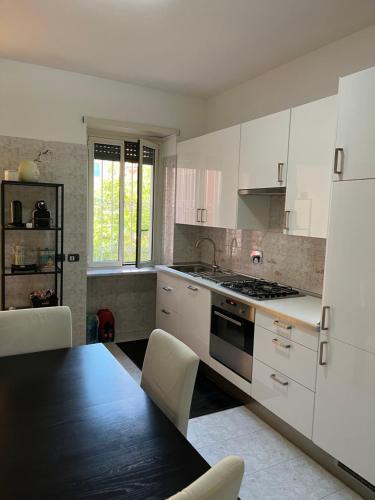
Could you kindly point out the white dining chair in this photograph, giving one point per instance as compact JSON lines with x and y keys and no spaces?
{"x":221,"y":482}
{"x":168,"y":376}
{"x":31,"y":330}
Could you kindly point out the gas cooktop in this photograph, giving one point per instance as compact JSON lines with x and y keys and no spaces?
{"x":259,"y":289}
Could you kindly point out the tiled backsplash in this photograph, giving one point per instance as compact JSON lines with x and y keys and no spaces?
{"x":295,"y":260}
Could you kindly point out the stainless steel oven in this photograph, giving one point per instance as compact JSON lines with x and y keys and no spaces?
{"x":232,"y":334}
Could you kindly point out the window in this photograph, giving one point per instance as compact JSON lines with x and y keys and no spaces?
{"x":121,"y":206}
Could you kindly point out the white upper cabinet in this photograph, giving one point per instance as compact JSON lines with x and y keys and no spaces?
{"x":264,"y":152}
{"x":207,"y":177}
{"x":349,"y":289}
{"x":355,"y":157}
{"x":311,"y":148}
{"x":189,"y":179}
{"x":345,"y":406}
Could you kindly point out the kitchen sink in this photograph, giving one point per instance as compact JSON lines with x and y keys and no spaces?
{"x":203,"y":271}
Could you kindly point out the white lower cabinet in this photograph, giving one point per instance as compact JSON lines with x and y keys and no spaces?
{"x":345,"y":406}
{"x":183,"y":309}
{"x":283,"y":396}
{"x":286,"y":356}
{"x":168,"y":320}
{"x":284,"y":370}
{"x":195,"y":314}
{"x":285,"y":328}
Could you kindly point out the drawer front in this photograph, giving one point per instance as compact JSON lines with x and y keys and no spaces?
{"x":167,"y":320}
{"x":287,"y":399}
{"x":282,"y":327}
{"x":292,"y":359}
{"x":167,"y":291}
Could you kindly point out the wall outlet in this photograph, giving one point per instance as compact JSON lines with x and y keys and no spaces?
{"x":256,"y":256}
{"x":73,"y":257}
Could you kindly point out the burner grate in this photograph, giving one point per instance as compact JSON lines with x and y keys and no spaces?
{"x":259,"y":289}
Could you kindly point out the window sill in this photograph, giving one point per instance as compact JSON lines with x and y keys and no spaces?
{"x":96,"y":272}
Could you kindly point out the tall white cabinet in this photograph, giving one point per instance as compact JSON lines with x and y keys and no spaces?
{"x":345,"y":395}
{"x":264,"y":152}
{"x":356,"y":125}
{"x":311,"y":146}
{"x":207,"y":177}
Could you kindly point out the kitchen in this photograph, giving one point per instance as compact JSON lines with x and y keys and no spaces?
{"x":260,"y":255}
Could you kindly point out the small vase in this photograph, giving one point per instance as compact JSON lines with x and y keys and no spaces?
{"x":28,"y":171}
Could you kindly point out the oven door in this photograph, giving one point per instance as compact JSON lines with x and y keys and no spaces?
{"x":232,"y":341}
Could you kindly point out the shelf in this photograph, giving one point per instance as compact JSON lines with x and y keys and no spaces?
{"x":10,"y":228}
{"x":35,"y":184}
{"x":8,"y":272}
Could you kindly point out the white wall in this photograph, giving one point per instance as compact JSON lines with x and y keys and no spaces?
{"x":305,"y":79}
{"x":43,"y":103}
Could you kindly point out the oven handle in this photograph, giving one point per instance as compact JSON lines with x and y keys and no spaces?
{"x":227,"y":318}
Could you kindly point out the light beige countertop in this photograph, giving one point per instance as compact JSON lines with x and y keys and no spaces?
{"x":304,"y":311}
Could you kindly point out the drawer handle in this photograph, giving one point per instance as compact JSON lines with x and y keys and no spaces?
{"x":281,"y":382}
{"x":280,"y":343}
{"x":321,"y":352}
{"x":167,"y":288}
{"x":337,"y":165}
{"x":280,"y":172}
{"x":199,"y":215}
{"x":323,"y":324}
{"x":280,"y":324}
{"x":194,"y":288}
{"x":165,"y":312}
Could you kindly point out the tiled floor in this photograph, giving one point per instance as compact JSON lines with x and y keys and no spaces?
{"x":274,"y":468}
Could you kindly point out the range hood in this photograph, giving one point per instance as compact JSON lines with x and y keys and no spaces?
{"x":275,"y":191}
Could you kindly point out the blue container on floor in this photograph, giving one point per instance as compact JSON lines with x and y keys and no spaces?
{"x":92,"y":325}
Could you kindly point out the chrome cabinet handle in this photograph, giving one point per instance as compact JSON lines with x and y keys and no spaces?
{"x":237,"y":323}
{"x":204,"y":211}
{"x":167,"y":288}
{"x":286,"y":220}
{"x":280,"y":172}
{"x":282,"y":344}
{"x":321,"y":352}
{"x":199,"y":215}
{"x":337,"y":166}
{"x":280,"y":324}
{"x":165,"y":312}
{"x":190,"y":287}
{"x":323,"y":325}
{"x":281,"y":382}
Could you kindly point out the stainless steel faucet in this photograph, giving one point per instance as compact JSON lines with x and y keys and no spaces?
{"x":215,"y":267}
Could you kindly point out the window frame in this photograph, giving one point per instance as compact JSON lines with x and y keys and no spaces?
{"x":120,"y":262}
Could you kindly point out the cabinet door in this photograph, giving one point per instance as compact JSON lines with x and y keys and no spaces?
{"x":220,"y":178}
{"x":356,"y":125}
{"x":195,"y":307}
{"x":345,"y":406}
{"x":349,"y":289}
{"x":168,"y":320}
{"x":188,"y":185}
{"x":264,"y":146}
{"x":311,"y":147}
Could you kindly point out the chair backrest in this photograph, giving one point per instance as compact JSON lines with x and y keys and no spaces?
{"x":168,"y":376}
{"x":221,"y":482}
{"x":30,"y":330}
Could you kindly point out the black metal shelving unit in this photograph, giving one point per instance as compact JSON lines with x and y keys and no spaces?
{"x":58,"y":230}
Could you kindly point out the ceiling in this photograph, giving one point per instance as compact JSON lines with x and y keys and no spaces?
{"x":195,"y":47}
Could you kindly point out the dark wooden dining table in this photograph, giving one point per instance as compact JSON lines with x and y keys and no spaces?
{"x":74,"y":424}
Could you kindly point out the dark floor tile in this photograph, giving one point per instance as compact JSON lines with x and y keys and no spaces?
{"x":208,"y":397}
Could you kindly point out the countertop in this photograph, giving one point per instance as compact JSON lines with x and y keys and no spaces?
{"x":304,"y":311}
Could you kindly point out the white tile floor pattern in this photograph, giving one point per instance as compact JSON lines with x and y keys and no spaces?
{"x":274,"y":468}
